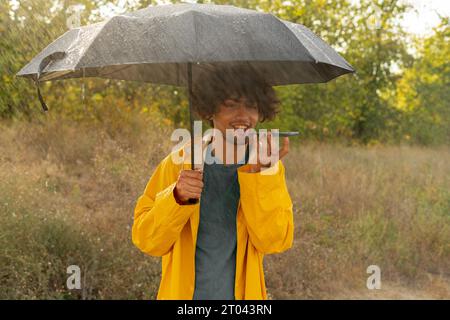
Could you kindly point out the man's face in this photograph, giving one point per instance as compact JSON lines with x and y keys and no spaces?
{"x":235,"y":114}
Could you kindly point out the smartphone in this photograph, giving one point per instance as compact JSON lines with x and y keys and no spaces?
{"x":286,"y":133}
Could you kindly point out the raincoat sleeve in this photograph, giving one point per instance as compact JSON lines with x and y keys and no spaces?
{"x":158,"y":218}
{"x":267,"y":209}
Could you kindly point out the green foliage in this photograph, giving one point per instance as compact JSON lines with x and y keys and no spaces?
{"x":394,"y":97}
{"x":423,"y":92}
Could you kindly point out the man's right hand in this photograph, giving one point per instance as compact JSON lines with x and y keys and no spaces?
{"x":189,"y":186}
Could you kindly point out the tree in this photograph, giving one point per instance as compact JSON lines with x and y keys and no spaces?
{"x":423,"y":92}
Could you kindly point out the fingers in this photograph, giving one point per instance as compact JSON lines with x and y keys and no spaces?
{"x":285,"y":149}
{"x":192,"y":174}
{"x":191,"y":188}
{"x":264,"y":143}
{"x":194,"y":181}
{"x":189,"y":184}
{"x":191,"y":178}
{"x":267,"y":147}
{"x":190,"y":195}
{"x":184,"y":194}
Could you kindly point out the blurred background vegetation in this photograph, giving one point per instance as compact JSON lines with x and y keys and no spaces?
{"x":398,"y":95}
{"x":369,"y":176}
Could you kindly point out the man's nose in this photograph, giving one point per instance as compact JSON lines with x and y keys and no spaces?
{"x":243,"y":111}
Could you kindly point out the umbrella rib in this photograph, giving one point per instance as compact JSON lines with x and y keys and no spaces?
{"x":299,"y":41}
{"x":280,"y":21}
{"x":91,"y":42}
{"x":317,"y":47}
{"x":307,"y":37}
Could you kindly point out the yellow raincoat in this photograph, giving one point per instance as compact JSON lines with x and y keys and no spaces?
{"x":162,"y":227}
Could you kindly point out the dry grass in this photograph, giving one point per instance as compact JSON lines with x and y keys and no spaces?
{"x":67,"y":197}
{"x":355,"y":207}
{"x":68,"y":191}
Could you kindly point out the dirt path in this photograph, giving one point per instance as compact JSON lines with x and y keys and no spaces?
{"x":437,"y":288}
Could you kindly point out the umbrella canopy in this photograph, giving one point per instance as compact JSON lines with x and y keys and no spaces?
{"x":157,"y":43}
{"x":176,"y":44}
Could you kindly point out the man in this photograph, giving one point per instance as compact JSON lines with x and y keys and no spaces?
{"x":214,"y":249}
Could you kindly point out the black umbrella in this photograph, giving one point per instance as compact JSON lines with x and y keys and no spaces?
{"x":176,"y":44}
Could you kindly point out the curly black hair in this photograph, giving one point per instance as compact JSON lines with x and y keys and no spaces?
{"x":234,"y":83}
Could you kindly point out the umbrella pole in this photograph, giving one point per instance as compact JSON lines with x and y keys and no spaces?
{"x":191,"y":120}
{"x":191,"y":116}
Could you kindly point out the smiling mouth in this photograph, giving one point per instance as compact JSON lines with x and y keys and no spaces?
{"x":241,"y":126}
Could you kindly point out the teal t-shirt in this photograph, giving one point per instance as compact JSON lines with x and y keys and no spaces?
{"x":215,"y":255}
